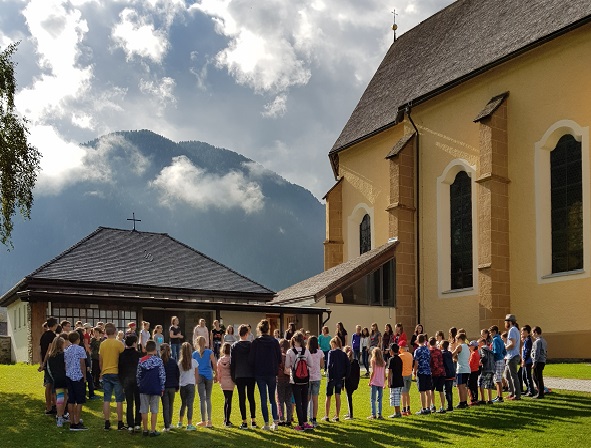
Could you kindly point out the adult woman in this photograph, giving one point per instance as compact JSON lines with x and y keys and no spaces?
{"x":341,"y":333}
{"x":229,"y":337}
{"x":375,"y":338}
{"x":413,"y":339}
{"x":201,"y":330}
{"x":216,"y":336}
{"x":207,"y":370}
{"x":387,"y":339}
{"x":290,"y":331}
{"x":176,"y":337}
{"x":265,"y":357}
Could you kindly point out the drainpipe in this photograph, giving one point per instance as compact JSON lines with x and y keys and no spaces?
{"x":327,"y":318}
{"x":417,"y":202}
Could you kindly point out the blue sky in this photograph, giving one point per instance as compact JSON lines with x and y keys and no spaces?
{"x":274,"y":80}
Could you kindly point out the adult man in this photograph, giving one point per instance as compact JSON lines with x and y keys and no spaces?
{"x":109,"y":352}
{"x":513,"y":359}
{"x":201,"y":330}
{"x":46,"y":339}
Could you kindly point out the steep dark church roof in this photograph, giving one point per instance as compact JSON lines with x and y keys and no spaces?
{"x":127,"y":257}
{"x":463,"y":40}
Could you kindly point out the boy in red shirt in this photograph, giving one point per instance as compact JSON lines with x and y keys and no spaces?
{"x":437,"y":374}
{"x":474,"y":362}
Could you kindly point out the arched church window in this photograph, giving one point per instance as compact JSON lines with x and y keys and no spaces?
{"x":365,"y":235}
{"x":566,"y":184}
{"x":460,"y":201}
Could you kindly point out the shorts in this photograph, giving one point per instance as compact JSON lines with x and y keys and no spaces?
{"x":47,"y":380}
{"x":395,"y":393}
{"x":499,"y":370}
{"x":485,"y":380}
{"x":111,"y":383}
{"x":314,"y":389}
{"x":462,"y":378}
{"x":424,"y":382}
{"x":149,"y":403}
{"x":76,"y":391}
{"x":333,"y":385}
{"x":438,"y":383}
{"x":407,"y":383}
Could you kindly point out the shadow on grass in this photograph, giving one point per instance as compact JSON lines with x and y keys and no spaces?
{"x":27,"y":426}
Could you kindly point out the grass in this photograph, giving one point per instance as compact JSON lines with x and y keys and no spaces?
{"x":570,"y":371}
{"x":560,"y":419}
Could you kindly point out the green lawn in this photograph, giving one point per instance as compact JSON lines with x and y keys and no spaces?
{"x":563,"y":418}
{"x":571,"y":371}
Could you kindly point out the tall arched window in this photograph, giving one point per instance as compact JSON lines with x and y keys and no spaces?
{"x":567,"y":205}
{"x":365,"y":235}
{"x":460,"y":204}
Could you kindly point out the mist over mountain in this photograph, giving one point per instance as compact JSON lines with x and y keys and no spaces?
{"x":212,"y":199}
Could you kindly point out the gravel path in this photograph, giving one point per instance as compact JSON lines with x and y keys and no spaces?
{"x":553,"y":382}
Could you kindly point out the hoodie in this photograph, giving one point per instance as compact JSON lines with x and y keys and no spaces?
{"x":151,"y":376}
{"x":224,"y":376}
{"x":128,"y":361}
{"x":265,"y":356}
{"x":239,"y":364}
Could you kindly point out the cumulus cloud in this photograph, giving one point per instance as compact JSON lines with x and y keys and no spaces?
{"x":183,"y":182}
{"x":276,"y":108}
{"x":161,"y":89}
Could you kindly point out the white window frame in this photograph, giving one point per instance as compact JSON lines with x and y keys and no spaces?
{"x":543,"y":201}
{"x":353,"y":222}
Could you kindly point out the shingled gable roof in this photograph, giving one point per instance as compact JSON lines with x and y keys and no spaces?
{"x":124,"y":257}
{"x":459,"y":42}
{"x":338,"y":277}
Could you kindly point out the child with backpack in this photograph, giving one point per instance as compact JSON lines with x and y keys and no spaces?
{"x":297,"y":360}
{"x":338,"y":370}
{"x":352,"y":379}
{"x":284,"y":395}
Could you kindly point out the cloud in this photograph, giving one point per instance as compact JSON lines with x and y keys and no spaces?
{"x":276,"y":108}
{"x":183,"y":182}
{"x":161,"y":89}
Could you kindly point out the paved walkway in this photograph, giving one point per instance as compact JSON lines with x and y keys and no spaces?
{"x":553,"y":382}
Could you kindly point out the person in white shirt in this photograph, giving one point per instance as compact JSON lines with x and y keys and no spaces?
{"x":201,"y":330}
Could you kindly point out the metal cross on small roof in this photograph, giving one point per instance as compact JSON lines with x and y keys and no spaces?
{"x":134,"y":220}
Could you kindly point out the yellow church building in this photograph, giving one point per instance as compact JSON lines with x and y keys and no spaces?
{"x":463,"y":179}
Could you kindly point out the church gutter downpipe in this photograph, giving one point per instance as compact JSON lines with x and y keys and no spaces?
{"x":407,"y":109}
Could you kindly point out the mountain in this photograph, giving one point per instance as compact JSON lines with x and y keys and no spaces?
{"x":215,"y":200}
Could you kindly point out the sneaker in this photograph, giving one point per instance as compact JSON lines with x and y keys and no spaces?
{"x":325,"y":419}
{"x":441,"y":410}
{"x":179,"y":425}
{"x":66,"y":417}
{"x":266,"y":427}
{"x":514,"y":398}
{"x":145,"y":433}
{"x":202,"y":424}
{"x":307,"y":426}
{"x":107,"y":425}
{"x":288,"y":424}
{"x":121,"y":427}
{"x":154,"y":434}
{"x":253,"y":424}
{"x":60,"y":422}
{"x":371,"y":417}
{"x":281,"y":423}
{"x":228,"y":425}
{"x":314,"y":423}
{"x":481,"y":402}
{"x":298,"y":428}
{"x":243,"y":425}
{"x":274,"y":426}
{"x":462,"y":406}
{"x":498,"y":400}
{"x":138,"y":428}
{"x":191,"y":428}
{"x":209,"y":424}
{"x":81,"y":427}
{"x":490,"y":402}
{"x":423,"y":412}
{"x":348,"y":417}
{"x":50,"y":412}
{"x":335,"y":419}
{"x":130,"y":430}
{"x":73,"y":427}
{"x":433,"y":409}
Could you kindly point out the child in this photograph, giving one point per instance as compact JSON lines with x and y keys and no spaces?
{"x":450,"y":374}
{"x":171,"y":386}
{"x":158,"y":338}
{"x":407,"y":366}
{"x":226,"y":383}
{"x":95,"y":345}
{"x":130,"y":329}
{"x":276,"y":334}
{"x":538,"y":356}
{"x":75,"y":357}
{"x":299,"y":382}
{"x":439,"y":336}
{"x":462,"y":353}
{"x":498,"y":349}
{"x":422,"y":371}
{"x":128,"y":362}
{"x":121,"y":336}
{"x":376,"y":382}
{"x":56,"y":368}
{"x":399,"y":334}
{"x":356,"y":343}
{"x":316,"y":363}
{"x":188,"y":378}
{"x":526,"y":361}
{"x":144,"y":336}
{"x":338,"y":369}
{"x":437,"y":375}
{"x":395,"y":379}
{"x":207,"y":369}
{"x":364,"y":346}
{"x":151,"y":379}
{"x":487,"y":362}
{"x":474,"y":362}
{"x":324,"y":343}
{"x":351,"y":380}
{"x":284,"y":394}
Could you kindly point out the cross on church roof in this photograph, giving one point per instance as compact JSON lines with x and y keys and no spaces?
{"x":134,"y":220}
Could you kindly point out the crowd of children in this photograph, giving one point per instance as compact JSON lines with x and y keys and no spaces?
{"x":143,"y":370}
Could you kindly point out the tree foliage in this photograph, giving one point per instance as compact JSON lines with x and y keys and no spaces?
{"x":19,"y":160}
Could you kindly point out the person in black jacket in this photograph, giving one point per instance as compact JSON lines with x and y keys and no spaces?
{"x":395,"y":380}
{"x":171,"y":387}
{"x":243,"y":375}
{"x":351,"y":380}
{"x":265,"y":357}
{"x":338,"y":369}
{"x":128,"y":361}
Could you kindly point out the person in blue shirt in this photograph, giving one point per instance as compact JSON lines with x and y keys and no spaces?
{"x":498,"y":349}
{"x":207,"y":369}
{"x":526,"y":361}
{"x":422,"y":370}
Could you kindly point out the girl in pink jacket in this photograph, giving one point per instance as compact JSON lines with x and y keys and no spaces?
{"x":226,"y":383}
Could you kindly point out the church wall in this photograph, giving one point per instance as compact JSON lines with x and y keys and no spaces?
{"x":18,"y":330}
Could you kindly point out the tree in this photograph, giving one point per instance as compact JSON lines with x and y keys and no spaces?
{"x":19,"y":160}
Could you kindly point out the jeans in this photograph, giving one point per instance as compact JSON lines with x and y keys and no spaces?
{"x":300,"y":396}
{"x":132,"y":411}
{"x":365,"y":358}
{"x":357,"y":355}
{"x":245,"y":387}
{"x":175,"y":349}
{"x":449,"y":396}
{"x":187,"y":399}
{"x":204,"y":388}
{"x":168,"y":405}
{"x":284,"y":407}
{"x":528,"y":379}
{"x":539,"y":378}
{"x":376,"y":395}
{"x":267,"y":386}
{"x":512,"y":377}
{"x":227,"y":405}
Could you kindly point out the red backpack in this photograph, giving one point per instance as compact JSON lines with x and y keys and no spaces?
{"x":300,"y":372}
